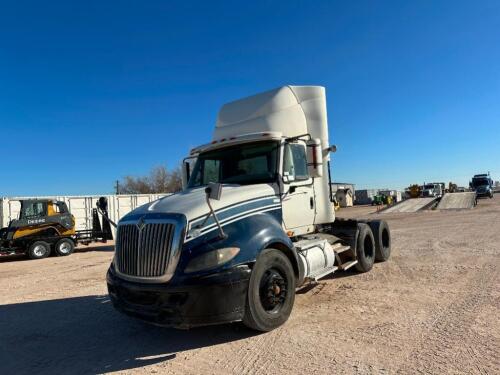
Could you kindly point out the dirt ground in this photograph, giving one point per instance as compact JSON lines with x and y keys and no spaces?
{"x":432,"y":308}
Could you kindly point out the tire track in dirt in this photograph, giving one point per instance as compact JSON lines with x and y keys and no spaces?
{"x":450,"y":344}
{"x":255,"y":360}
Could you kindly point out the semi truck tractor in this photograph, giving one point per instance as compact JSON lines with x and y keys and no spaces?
{"x":482,"y":184}
{"x":254,"y":222}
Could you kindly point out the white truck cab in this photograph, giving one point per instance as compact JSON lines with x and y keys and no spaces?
{"x":254,"y":221}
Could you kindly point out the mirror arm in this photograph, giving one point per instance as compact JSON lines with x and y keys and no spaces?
{"x":297,"y":137}
{"x":222,"y":235}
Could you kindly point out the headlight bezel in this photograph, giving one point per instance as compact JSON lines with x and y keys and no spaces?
{"x":211,"y":259}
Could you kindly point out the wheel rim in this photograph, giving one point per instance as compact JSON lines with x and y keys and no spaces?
{"x":273,"y":291}
{"x":64,"y":248}
{"x":39,"y":250}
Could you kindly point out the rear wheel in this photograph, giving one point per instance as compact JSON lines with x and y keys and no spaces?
{"x":271,"y":291}
{"x":39,"y":250}
{"x":365,"y":248}
{"x":382,"y":236}
{"x":64,"y":247}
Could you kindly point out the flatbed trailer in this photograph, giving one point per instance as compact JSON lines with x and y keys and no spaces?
{"x":43,"y":243}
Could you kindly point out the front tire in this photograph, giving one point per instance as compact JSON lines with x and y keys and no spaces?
{"x":39,"y":250}
{"x":64,"y":247}
{"x":271,"y":291}
{"x":365,"y":248}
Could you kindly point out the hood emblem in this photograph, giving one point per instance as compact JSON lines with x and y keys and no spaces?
{"x":141,"y":224}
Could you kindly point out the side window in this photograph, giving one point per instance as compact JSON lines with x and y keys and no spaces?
{"x":295,"y":161}
{"x":34,"y":210}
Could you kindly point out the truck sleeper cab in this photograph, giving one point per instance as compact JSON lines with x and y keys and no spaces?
{"x":254,"y":222}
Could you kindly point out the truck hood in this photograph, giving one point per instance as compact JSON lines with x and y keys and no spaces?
{"x":193,"y":205}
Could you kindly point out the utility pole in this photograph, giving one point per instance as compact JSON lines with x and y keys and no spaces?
{"x":117,"y":187}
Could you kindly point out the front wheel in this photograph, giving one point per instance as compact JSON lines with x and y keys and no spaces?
{"x":271,"y":291}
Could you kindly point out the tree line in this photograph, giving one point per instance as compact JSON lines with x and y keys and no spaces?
{"x":159,"y":180}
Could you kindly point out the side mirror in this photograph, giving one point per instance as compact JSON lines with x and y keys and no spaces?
{"x":314,"y":158}
{"x":287,"y":177}
{"x":214,"y":191}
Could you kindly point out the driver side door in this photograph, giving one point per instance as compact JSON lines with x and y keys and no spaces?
{"x":298,"y":203}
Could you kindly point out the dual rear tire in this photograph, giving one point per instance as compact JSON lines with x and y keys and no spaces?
{"x":373,"y":244}
{"x":271,"y":289}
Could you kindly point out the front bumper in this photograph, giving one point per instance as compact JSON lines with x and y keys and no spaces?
{"x":483,"y":193}
{"x":213,"y":299}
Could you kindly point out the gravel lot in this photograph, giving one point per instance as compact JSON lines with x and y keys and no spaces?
{"x":432,"y":308}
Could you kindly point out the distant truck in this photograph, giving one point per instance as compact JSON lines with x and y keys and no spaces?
{"x":482,"y":184}
{"x":433,"y":189}
{"x":254,"y":221}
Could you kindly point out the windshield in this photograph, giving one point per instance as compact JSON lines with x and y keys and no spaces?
{"x":480,"y":182}
{"x":246,"y":164}
{"x":431,"y":186}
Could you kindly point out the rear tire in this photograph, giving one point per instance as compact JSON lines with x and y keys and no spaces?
{"x":39,"y":250}
{"x":271,"y":291}
{"x":365,"y":248}
{"x":382,"y":236}
{"x":64,"y":247}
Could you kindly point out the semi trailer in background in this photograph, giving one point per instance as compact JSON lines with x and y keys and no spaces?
{"x":254,"y":221}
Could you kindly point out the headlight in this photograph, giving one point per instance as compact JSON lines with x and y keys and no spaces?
{"x":212,"y":259}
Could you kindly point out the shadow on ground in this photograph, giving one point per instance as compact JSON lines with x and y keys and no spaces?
{"x":79,"y":249}
{"x":86,"y":249}
{"x":86,"y":335}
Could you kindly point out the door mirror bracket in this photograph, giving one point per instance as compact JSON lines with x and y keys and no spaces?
{"x":288,"y":178}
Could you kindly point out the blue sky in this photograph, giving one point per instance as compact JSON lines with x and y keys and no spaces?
{"x":93,"y":91}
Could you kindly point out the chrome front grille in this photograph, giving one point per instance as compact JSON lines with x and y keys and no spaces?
{"x":144,"y":251}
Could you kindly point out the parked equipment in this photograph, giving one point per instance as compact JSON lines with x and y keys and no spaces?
{"x":415,"y":191}
{"x":452,"y":188}
{"x":46,"y":225}
{"x":254,"y":222}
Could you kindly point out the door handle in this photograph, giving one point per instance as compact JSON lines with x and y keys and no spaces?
{"x":311,"y":202}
